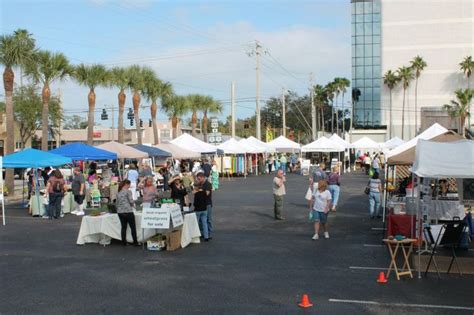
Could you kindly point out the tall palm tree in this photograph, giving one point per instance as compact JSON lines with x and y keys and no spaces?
{"x":344,"y":84}
{"x":15,"y":50}
{"x":45,"y":68}
{"x":91,"y":76}
{"x":320,"y":98}
{"x":138,"y":77}
{"x":391,"y":80}
{"x":175,"y":106}
{"x":460,"y":108}
{"x":330,"y":91}
{"x":417,"y":64}
{"x":467,"y":66}
{"x":196,"y":103}
{"x":120,"y":78}
{"x":209,"y":106}
{"x":153,"y":90}
{"x":406,"y":75}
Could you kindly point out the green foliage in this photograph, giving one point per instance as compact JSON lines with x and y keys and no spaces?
{"x":92,"y":76}
{"x":418,"y":64}
{"x":16,"y":49}
{"x":74,"y":122}
{"x":467,"y":66}
{"x":120,"y":78}
{"x":459,"y":108}
{"x":175,"y":105}
{"x":46,"y":67}
{"x":406,"y":75}
{"x":391,"y":79}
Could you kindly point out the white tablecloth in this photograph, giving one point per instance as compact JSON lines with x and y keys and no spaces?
{"x":101,"y":229}
{"x":447,"y":209}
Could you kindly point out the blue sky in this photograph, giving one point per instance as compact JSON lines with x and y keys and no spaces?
{"x":199,"y":46}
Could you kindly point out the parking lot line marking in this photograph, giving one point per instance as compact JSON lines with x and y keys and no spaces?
{"x":448,"y":307}
{"x":378,"y":229}
{"x":374,"y":245}
{"x":367,"y":268}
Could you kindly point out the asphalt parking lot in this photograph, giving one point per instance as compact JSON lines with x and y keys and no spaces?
{"x":254,"y":265}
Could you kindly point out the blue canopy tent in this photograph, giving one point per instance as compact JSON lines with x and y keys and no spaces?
{"x":35,"y":159}
{"x":152,"y":151}
{"x":83,"y":152}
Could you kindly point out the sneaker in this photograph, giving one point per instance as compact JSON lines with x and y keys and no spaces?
{"x":79,"y":213}
{"x":326,"y":235}
{"x":74,"y":211}
{"x":315,"y":237}
{"x":62,"y":215}
{"x":45,"y":217}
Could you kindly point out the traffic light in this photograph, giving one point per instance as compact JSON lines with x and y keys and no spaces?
{"x":130,"y":114}
{"x":141,"y":123}
{"x":104,"y":115}
{"x":149,"y":123}
{"x":131,"y":122}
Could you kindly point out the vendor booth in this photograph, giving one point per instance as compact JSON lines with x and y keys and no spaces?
{"x":84,"y":152}
{"x":189,"y":142}
{"x":260,"y":144}
{"x":235,"y":160}
{"x":123,"y":151}
{"x":325,"y":145}
{"x":284,"y":145}
{"x":31,"y":158}
{"x":426,"y":168}
{"x":178,"y":152}
{"x":153,"y":152}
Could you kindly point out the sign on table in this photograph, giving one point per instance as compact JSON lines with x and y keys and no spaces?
{"x":176,"y":216}
{"x":156,"y":218}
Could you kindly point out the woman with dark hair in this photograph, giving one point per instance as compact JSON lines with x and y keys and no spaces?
{"x":375,"y":188}
{"x":55,"y":191}
{"x":124,"y":206}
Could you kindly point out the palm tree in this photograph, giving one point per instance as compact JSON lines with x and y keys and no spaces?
{"x":175,"y":106}
{"x":406,"y":75}
{"x":45,"y":68}
{"x":344,"y":84}
{"x":196,"y":103}
{"x":91,"y":76}
{"x":467,"y":66}
{"x":330,"y":90}
{"x":15,"y":50}
{"x":417,"y":64}
{"x":209,"y":106}
{"x":390,"y":79}
{"x":138,"y":77}
{"x":320,"y":98}
{"x":120,"y":78}
{"x":460,"y":109}
{"x":154,"y":88}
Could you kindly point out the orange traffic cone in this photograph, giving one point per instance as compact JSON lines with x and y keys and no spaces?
{"x":305,"y":301}
{"x":382,"y":278}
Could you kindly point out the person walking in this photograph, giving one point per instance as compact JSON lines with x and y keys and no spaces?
{"x":283,"y":162}
{"x":375,"y":188}
{"x":270,"y":163}
{"x":376,"y":164}
{"x":278,"y":192}
{"x":125,"y":213}
{"x":320,"y":205}
{"x":367,"y":163}
{"x":78,"y":187}
{"x":214,"y":176}
{"x":201,"y":192}
{"x":132,"y":176}
{"x":55,"y":190}
{"x":318,"y":174}
{"x":334,"y":186}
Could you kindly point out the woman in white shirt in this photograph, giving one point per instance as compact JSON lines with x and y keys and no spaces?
{"x":132,"y":176}
{"x":320,"y":205}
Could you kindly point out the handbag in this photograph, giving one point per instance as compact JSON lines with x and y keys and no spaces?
{"x":367,"y":190}
{"x":309,"y":194}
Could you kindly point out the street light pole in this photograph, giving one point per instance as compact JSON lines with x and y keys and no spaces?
{"x":283,"y":111}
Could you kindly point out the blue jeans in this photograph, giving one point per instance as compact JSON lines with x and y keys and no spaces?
{"x":202,"y":220}
{"x":374,"y":203}
{"x":209,"y":219}
{"x":334,"y":190}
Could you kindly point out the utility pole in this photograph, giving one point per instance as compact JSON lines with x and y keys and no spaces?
{"x":257,"y":51}
{"x":232,"y":109}
{"x":313,"y":109}
{"x":283,"y":111}
{"x":60,"y":122}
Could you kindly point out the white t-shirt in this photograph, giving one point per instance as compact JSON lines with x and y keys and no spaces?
{"x":321,"y":200}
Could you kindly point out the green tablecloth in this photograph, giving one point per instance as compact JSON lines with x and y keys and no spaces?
{"x":37,"y":206}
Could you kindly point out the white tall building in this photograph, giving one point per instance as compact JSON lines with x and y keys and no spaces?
{"x":440,"y":31}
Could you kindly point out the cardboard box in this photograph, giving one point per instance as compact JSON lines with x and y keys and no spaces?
{"x":173,"y":240}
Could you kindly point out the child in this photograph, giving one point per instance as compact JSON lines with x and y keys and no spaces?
{"x":320,"y":205}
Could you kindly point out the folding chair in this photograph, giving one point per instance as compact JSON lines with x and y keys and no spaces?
{"x":451,"y":238}
{"x":432,"y":248}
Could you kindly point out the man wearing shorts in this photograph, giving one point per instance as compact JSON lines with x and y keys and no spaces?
{"x":78,"y":188}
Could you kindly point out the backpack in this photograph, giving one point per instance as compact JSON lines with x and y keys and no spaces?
{"x":57,"y":187}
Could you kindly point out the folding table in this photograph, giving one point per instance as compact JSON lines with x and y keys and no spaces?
{"x":406,"y":248}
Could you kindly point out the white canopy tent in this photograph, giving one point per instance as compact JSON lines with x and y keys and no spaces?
{"x":433,"y":131}
{"x":189,"y":142}
{"x":323,"y":144}
{"x":366,"y":143}
{"x":232,"y":146}
{"x":251,"y":148}
{"x":283,"y":144}
{"x":341,"y":141}
{"x":178,"y":152}
{"x":393,"y":143}
{"x":260,"y":144}
{"x":460,"y":163}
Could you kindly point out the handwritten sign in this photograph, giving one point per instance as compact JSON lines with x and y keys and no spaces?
{"x":227,"y":163}
{"x":156,"y":218}
{"x":176,"y":216}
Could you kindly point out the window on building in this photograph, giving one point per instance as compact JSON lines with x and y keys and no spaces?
{"x":19,"y":145}
{"x":165,"y":134}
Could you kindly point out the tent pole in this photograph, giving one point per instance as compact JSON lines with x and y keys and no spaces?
{"x":37,"y":191}
{"x":384,"y":194}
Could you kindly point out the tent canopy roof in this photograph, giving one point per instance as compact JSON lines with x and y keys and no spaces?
{"x":123,"y":151}
{"x":232,"y":146}
{"x":191,"y":143}
{"x":178,"y":152}
{"x":260,"y":144}
{"x":323,"y":144}
{"x":459,"y":164}
{"x":83,"y":152}
{"x":393,"y":143}
{"x":365,"y":143}
{"x":433,"y":131}
{"x":152,"y":151}
{"x":336,"y":138}
{"x":250,"y":147}
{"x":407,"y":157}
{"x":34,"y":158}
{"x":283,"y":144}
